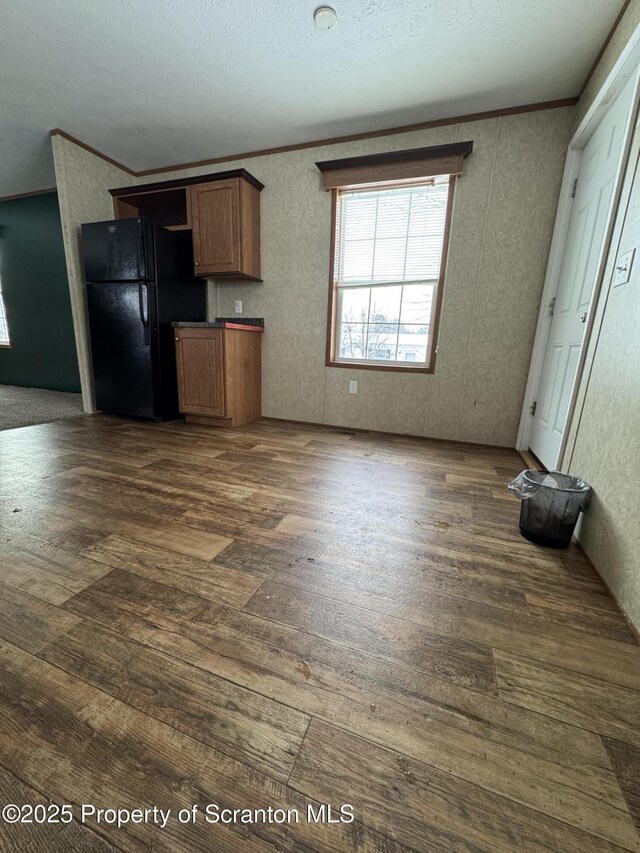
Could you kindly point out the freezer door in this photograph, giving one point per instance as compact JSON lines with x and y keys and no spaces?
{"x":124,"y":346}
{"x":119,"y":250}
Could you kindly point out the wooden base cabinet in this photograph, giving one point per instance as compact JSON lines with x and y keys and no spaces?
{"x":219,"y":375}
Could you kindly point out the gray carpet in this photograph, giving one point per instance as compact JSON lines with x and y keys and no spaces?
{"x":25,"y":406}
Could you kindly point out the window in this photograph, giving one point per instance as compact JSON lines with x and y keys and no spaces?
{"x":391,"y":218}
{"x":4,"y":328}
{"x":388,"y":268}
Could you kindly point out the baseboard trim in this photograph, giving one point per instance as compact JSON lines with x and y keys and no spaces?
{"x":209,"y":420}
{"x":387,"y":434}
{"x":531,"y":461}
{"x":635,"y":630}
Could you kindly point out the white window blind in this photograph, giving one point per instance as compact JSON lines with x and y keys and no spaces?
{"x":387,"y":265}
{"x":391,"y":235}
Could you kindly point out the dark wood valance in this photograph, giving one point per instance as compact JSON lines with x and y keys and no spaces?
{"x":407,"y":165}
{"x":178,"y":183}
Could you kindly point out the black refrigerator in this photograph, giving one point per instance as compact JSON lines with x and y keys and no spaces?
{"x":139,"y":280}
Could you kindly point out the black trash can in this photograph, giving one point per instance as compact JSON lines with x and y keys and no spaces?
{"x":551,"y":504}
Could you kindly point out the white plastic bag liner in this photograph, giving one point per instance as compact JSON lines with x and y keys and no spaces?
{"x":528,"y":483}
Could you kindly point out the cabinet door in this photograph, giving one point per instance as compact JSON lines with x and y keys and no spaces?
{"x":200,"y":358}
{"x":215,"y":217}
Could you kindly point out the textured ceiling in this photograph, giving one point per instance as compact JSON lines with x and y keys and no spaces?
{"x":157,"y":82}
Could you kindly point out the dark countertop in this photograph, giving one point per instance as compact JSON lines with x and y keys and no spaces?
{"x":250,"y":323}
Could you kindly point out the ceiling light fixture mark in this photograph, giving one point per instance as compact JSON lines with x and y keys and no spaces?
{"x":325,"y":18}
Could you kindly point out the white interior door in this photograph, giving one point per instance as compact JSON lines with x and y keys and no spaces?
{"x":599,"y":167}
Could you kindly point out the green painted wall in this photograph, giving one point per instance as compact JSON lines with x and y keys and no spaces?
{"x":36,"y":295}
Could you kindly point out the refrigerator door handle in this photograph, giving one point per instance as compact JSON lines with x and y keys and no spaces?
{"x":143,"y":300}
{"x":141,"y":252}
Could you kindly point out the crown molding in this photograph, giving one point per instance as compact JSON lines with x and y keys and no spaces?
{"x":334,"y":140}
{"x":372,"y":134}
{"x":45,"y":191}
{"x":605,"y":45}
{"x":58,"y":132}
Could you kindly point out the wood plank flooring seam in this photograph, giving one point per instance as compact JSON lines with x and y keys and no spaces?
{"x":311,"y":718}
{"x":591,"y":730}
{"x":135,"y":642}
{"x":378,"y":613}
{"x":294,"y":707}
{"x":594,"y":683}
{"x":276,"y":784}
{"x":352,"y":648}
{"x":204,"y":562}
{"x":286,"y":580}
{"x":110,"y":843}
{"x":408,"y":758}
{"x":195,"y":666}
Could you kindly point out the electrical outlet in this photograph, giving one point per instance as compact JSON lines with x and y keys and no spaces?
{"x":623,"y":268}
{"x":353,"y":386}
{"x":238,"y":306}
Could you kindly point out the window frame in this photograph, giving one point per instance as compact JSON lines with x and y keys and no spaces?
{"x":5,"y":344}
{"x":332,"y":311}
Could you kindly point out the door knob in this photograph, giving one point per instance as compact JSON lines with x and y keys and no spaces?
{"x":583,"y":317}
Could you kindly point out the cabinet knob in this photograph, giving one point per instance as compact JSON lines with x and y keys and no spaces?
{"x":196,"y":263}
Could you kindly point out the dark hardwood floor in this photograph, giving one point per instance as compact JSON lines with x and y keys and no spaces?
{"x":284,"y":616}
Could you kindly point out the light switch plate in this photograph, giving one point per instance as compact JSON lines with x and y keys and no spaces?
{"x":353,"y":386}
{"x":238,"y":306}
{"x":623,"y":268}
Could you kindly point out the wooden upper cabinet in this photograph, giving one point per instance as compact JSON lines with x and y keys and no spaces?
{"x":225,"y":217}
{"x":221,"y":210}
{"x":215,"y":217}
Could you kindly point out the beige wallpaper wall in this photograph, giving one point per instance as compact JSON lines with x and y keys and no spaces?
{"x":604,"y":443}
{"x":607,"y":448}
{"x":503,"y":217}
{"x":82,"y":179}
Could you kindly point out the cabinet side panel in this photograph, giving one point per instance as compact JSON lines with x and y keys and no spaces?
{"x":123,"y":209}
{"x":250,"y":228}
{"x":254,"y":410}
{"x":243,"y":379}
